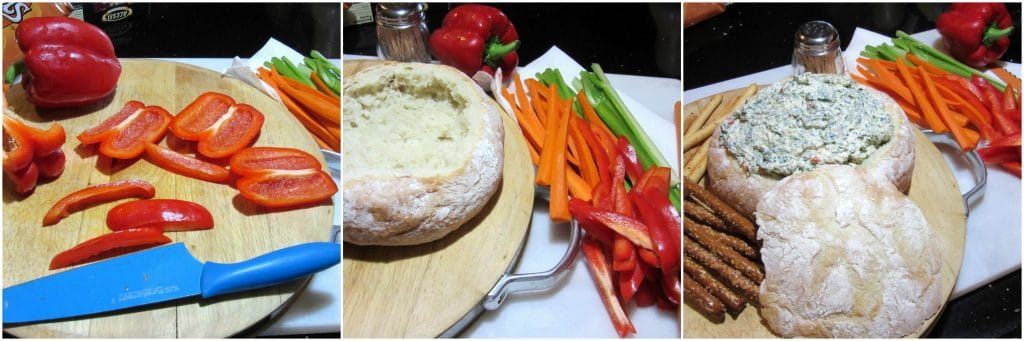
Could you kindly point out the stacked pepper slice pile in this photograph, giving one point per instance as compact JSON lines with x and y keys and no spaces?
{"x":31,"y":154}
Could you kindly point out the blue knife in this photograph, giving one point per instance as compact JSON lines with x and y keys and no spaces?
{"x":156,"y":275}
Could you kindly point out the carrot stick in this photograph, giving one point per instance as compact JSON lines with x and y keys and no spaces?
{"x":891,"y":81}
{"x":310,"y":91}
{"x":304,"y":118}
{"x":323,"y":87}
{"x":578,"y":187}
{"x":1008,"y":78}
{"x":586,"y":165}
{"x":528,"y":111}
{"x":539,"y":103}
{"x":926,"y":65}
{"x":534,"y":156}
{"x":590,"y":114}
{"x":921,"y":99}
{"x":313,"y":101}
{"x":559,"y":205}
{"x":547,"y":153}
{"x":534,"y":133}
{"x":943,"y":111}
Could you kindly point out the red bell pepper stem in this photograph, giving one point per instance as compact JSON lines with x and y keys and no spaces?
{"x":602,"y":275}
{"x":96,"y":195}
{"x":109,"y":245}
{"x":168,"y":215}
{"x":993,"y":33}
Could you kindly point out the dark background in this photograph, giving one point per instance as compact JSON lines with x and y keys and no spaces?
{"x":625,"y":38}
{"x":753,"y":37}
{"x":219,"y":30}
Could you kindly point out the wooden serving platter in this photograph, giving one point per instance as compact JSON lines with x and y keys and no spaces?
{"x":933,"y":188}
{"x":242,"y":230}
{"x":421,"y":290}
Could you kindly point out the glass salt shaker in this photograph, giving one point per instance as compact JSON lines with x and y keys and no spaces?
{"x":816,"y":49}
{"x":402,"y":32}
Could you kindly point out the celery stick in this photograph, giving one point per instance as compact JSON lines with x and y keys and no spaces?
{"x":925,"y":49}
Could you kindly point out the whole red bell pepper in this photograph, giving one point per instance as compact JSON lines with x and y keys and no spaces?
{"x":68,"y":62}
{"x":169,"y":215}
{"x":109,"y":245}
{"x":976,"y":33}
{"x":476,"y":38}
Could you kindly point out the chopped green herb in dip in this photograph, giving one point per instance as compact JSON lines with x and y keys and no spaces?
{"x":806,"y":121}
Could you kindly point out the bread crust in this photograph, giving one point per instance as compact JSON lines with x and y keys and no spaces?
{"x":846,"y":255}
{"x":393,"y":208}
{"x":893,"y":161}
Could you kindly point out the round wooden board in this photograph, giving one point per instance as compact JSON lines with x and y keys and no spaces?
{"x":933,"y":188}
{"x":421,"y":290}
{"x":242,"y":229}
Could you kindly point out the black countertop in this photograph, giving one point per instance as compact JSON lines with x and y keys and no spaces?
{"x":625,"y":38}
{"x":721,"y":48}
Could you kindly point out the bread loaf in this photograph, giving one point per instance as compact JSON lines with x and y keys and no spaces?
{"x":423,"y":153}
{"x":845,"y":255}
{"x":743,"y":186}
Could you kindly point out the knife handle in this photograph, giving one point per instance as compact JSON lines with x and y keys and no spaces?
{"x":268,"y":269}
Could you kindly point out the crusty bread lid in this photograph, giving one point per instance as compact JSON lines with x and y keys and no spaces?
{"x":845,"y":255}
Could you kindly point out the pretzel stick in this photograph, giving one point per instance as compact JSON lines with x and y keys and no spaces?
{"x":690,"y":140}
{"x":735,"y":243}
{"x":733,"y":302}
{"x":696,"y":170}
{"x":705,"y":113}
{"x":730,"y":275}
{"x":703,"y":301}
{"x":706,"y":237}
{"x":737,"y":221}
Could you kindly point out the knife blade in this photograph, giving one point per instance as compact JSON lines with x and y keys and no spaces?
{"x":156,"y":275}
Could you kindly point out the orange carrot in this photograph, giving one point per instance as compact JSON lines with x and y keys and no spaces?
{"x":1008,"y":78}
{"x":586,"y":165}
{"x":590,"y":115}
{"x":559,"y":201}
{"x":538,"y":94}
{"x":304,"y":118}
{"x":534,"y":156}
{"x":891,"y":81}
{"x":534,"y":133}
{"x":943,"y":111}
{"x":323,"y":87}
{"x":547,"y":153}
{"x":527,"y":109}
{"x":578,"y":187}
{"x":926,"y":65}
{"x":921,"y":99}
{"x":314,"y":101}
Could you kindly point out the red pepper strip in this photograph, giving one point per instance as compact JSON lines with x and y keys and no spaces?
{"x":967,"y":91}
{"x":629,"y":281}
{"x":633,"y":167}
{"x":283,"y":188}
{"x":168,"y":215}
{"x":670,"y":286}
{"x":654,"y":179}
{"x":618,"y":188}
{"x":43,"y":142}
{"x":255,"y":160}
{"x":109,"y":245}
{"x":991,"y":97}
{"x":51,"y":166}
{"x":666,"y":249}
{"x":18,"y":152}
{"x":1008,"y":140}
{"x":221,"y":126}
{"x":649,"y":257}
{"x":1012,"y":167}
{"x":647,"y":295}
{"x":1000,"y":154}
{"x":628,"y":227}
{"x":124,"y":135}
{"x":598,"y":265}
{"x":185,"y":165}
{"x":581,"y":211}
{"x":24,"y":179}
{"x":96,"y":195}
{"x":623,"y":255}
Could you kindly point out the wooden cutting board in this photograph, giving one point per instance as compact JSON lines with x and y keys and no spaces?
{"x":933,"y":188}
{"x":242,"y":229}
{"x":422,"y":290}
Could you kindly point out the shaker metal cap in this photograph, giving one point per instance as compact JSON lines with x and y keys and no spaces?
{"x":816,"y":33}
{"x":400,"y":15}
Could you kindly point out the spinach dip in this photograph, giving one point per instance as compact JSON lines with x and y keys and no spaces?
{"x":806,"y":121}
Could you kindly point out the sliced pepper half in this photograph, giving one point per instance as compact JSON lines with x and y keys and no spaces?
{"x":186,"y":165}
{"x":284,"y":188}
{"x":109,"y":245}
{"x":251,"y":161}
{"x":125,"y":135}
{"x":221,"y":126}
{"x":168,"y":215}
{"x":95,"y":195}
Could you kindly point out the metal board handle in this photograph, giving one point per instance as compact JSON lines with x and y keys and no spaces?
{"x":972,"y":157}
{"x":513,"y":283}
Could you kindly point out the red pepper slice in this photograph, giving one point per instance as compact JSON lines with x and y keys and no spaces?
{"x":24,"y":179}
{"x":18,"y":152}
{"x":628,"y":227}
{"x":654,"y":179}
{"x":221,"y":126}
{"x":43,"y":142}
{"x":646,"y":296}
{"x":283,"y":188}
{"x":665,"y":247}
{"x":96,"y":195}
{"x":168,"y":215}
{"x":125,"y":135}
{"x":633,"y":167}
{"x":618,"y":188}
{"x":51,"y":166}
{"x":109,"y":245}
{"x":629,"y":282}
{"x":1012,"y":167}
{"x":623,"y":255}
{"x":991,"y":96}
{"x":581,"y":211}
{"x":671,"y":287}
{"x":255,"y":160}
{"x":602,"y":275}
{"x":1000,"y":154}
{"x":186,"y":165}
